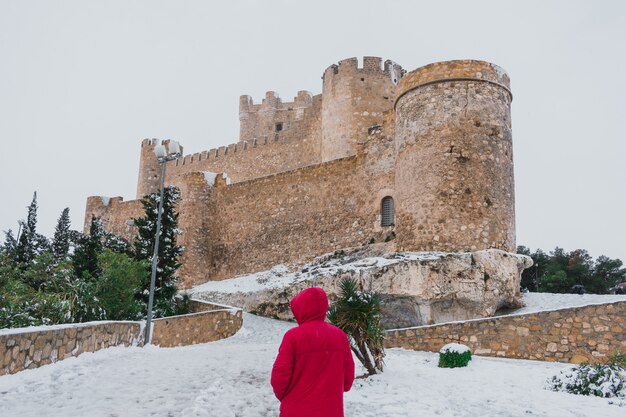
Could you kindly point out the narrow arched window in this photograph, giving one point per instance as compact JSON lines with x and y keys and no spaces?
{"x":387,"y":217}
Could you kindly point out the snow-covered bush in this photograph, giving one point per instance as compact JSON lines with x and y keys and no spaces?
{"x":454,"y":355}
{"x":600,"y":380}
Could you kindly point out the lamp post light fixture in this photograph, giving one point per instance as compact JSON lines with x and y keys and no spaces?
{"x":163,"y":154}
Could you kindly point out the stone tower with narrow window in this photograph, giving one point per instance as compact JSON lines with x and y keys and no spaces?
{"x":454,"y":158}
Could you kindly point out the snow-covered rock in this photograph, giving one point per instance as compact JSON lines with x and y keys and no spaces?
{"x":416,"y":287}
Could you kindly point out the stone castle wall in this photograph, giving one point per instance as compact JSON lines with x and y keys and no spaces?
{"x":272,"y":116}
{"x":258,"y":153}
{"x":582,"y":334}
{"x":292,"y":217}
{"x":453,"y":133}
{"x":115,"y":214}
{"x":354,"y":99}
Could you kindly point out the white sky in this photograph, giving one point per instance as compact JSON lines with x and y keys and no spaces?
{"x":82,"y":82}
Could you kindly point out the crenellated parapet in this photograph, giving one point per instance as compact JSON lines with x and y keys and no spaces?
{"x":271,"y":116}
{"x":353,"y":100}
{"x":458,"y":70}
{"x":115,"y":214}
{"x":371,"y":65}
{"x":150,"y":172}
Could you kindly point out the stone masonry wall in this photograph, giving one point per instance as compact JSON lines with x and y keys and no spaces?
{"x":576,"y":335}
{"x":208,"y":323}
{"x":296,"y":146}
{"x":354,"y":100}
{"x":32,"y":349}
{"x":296,"y":216}
{"x":115,"y":215}
{"x":273,"y":116}
{"x":22,"y":349}
{"x":454,"y":167}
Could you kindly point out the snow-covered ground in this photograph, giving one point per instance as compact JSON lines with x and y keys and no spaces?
{"x":231,"y":378}
{"x":544,"y":301}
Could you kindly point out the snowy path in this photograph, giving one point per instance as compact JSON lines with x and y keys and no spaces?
{"x":231,"y":378}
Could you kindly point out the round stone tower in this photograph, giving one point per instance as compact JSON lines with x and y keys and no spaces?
{"x":150,"y":172}
{"x":353,"y":100}
{"x":454,"y":158}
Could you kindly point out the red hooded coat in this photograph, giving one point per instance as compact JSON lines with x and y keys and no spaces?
{"x":314,"y":365}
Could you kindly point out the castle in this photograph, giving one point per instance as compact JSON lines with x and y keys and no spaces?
{"x":421,"y":159}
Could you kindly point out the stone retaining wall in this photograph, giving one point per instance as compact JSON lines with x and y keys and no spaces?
{"x":22,"y":349}
{"x":208,"y":323}
{"x":25,"y":349}
{"x":576,"y":335}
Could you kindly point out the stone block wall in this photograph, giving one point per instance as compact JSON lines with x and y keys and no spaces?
{"x":293,"y":217}
{"x":22,"y":349}
{"x":208,"y":323}
{"x":576,"y":335}
{"x":454,"y":167}
{"x":31,"y":349}
{"x":115,"y":214}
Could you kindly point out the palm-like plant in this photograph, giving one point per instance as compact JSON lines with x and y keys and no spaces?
{"x":357,"y":313}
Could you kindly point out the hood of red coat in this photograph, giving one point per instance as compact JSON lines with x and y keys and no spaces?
{"x":310,"y":304}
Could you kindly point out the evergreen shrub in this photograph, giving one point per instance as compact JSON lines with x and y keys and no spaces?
{"x":454,"y":355}
{"x":598,"y":380}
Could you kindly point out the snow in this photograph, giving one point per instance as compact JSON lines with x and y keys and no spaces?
{"x":209,"y":177}
{"x":31,"y":329}
{"x":536,"y":302}
{"x":230,"y":378}
{"x":454,"y":347}
{"x":280,"y":275}
{"x":605,"y":381}
{"x":277,"y":277}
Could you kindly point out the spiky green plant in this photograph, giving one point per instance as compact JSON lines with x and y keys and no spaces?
{"x":357,"y":313}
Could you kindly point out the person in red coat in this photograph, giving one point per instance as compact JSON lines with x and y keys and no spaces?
{"x":314,"y":366}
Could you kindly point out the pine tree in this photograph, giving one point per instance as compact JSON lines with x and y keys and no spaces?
{"x":169,"y":251}
{"x":61,"y":240}
{"x":89,"y":246}
{"x":30,"y":243}
{"x":9,"y":248}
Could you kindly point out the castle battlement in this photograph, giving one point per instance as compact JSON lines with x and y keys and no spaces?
{"x":273,"y":101}
{"x":371,"y":65}
{"x":458,"y":70}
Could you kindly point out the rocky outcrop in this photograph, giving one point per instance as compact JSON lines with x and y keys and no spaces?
{"x":416,"y":288}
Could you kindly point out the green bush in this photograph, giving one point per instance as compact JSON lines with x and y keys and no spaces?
{"x":454,"y":355}
{"x":117,"y":285}
{"x":597,"y":380}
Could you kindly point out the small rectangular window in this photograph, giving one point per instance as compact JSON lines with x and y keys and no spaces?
{"x":279,"y":127}
{"x":387,"y":212}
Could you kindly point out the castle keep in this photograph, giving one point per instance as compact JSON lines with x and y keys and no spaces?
{"x":422,"y":160}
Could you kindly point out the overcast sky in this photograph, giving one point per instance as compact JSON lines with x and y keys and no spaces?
{"x":82,"y":82}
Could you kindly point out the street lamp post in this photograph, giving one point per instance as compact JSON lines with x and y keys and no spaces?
{"x":163,"y":155}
